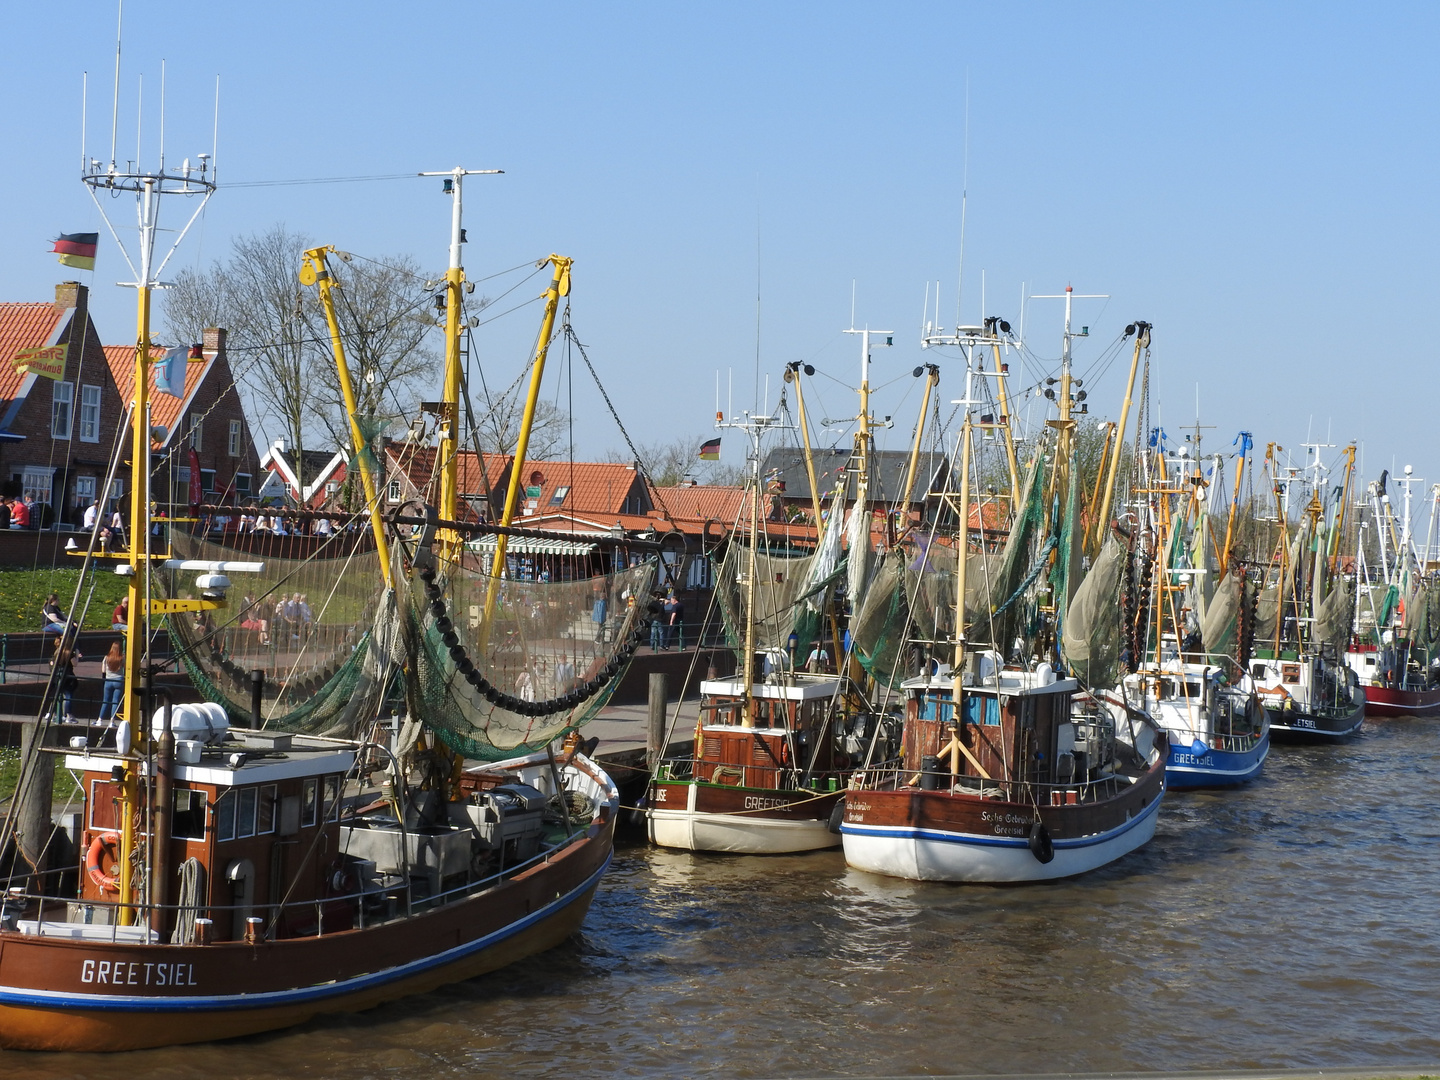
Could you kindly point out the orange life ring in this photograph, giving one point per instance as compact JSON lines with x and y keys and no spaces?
{"x":105,"y":882}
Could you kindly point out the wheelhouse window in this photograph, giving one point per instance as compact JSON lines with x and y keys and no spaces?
{"x":247,"y":811}
{"x":189,"y":819}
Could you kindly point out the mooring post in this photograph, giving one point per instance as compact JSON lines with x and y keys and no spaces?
{"x":655,"y":730}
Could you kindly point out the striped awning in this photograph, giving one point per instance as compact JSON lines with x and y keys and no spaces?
{"x":530,"y":545}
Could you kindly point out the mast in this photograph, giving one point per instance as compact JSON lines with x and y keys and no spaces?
{"x":1142,"y":341}
{"x":932,"y":380}
{"x":559,"y":286}
{"x":1002,"y":372}
{"x":1246,"y":441}
{"x":753,"y":425}
{"x":148,"y":187}
{"x":792,"y":374}
{"x":449,"y":443}
{"x":315,"y":271}
{"x":957,"y":684}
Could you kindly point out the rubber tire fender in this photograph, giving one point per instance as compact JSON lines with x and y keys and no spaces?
{"x":837,"y":815}
{"x":1040,"y":843}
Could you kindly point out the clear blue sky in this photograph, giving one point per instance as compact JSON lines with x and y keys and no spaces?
{"x":1255,"y":180}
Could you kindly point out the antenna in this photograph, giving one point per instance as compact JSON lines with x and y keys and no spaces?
{"x":964,"y":194}
{"x":852,"y":303}
{"x":757,"y":291}
{"x":115,"y":97}
{"x":162,"y":115}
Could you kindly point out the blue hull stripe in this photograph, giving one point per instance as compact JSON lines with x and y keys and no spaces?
{"x":302,"y":995}
{"x":974,"y":840}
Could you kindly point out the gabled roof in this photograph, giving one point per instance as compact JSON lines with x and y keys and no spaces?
{"x":25,"y":326}
{"x":702,"y":502}
{"x":317,"y":465}
{"x":418,"y":465}
{"x":165,"y":410}
{"x":887,"y":472}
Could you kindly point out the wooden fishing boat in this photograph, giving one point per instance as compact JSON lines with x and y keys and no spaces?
{"x":294,"y":900}
{"x":232,"y":881}
{"x":1036,"y":782}
{"x":765,"y":776}
{"x":1009,"y":773}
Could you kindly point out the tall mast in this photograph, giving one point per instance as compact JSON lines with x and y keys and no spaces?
{"x":1142,"y":341}
{"x":449,"y":442}
{"x":148,"y":187}
{"x":754,"y":426}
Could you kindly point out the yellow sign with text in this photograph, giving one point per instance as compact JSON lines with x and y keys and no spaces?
{"x":46,"y":363}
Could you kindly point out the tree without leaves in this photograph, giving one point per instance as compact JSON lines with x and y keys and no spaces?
{"x":382,"y":308}
{"x":668,"y":463}
{"x":257,"y":297}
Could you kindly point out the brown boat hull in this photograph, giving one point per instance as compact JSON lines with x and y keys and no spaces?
{"x":55,"y":994}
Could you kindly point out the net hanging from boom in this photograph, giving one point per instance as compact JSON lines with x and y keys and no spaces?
{"x":309,"y":624}
{"x":547,"y":659}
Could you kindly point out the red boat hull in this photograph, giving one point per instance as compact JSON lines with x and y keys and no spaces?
{"x":1387,"y":701}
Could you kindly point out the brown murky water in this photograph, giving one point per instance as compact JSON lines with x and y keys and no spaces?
{"x":1294,"y":923}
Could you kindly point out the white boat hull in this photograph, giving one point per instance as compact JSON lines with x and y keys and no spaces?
{"x":937,"y":855}
{"x":736,"y":834}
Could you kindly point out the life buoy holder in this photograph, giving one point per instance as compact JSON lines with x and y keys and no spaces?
{"x":94,"y":865}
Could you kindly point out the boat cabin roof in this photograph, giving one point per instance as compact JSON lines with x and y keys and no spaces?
{"x":1005,"y":683}
{"x":245,"y":757}
{"x":795,"y":688}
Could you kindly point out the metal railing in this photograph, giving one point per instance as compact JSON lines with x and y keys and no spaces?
{"x":17,"y":904}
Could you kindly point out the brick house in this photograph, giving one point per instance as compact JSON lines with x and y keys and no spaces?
{"x":56,"y":437}
{"x":209,"y":420}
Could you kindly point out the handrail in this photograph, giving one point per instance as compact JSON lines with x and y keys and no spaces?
{"x":14,"y":895}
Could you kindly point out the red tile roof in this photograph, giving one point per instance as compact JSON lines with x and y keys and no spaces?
{"x":164,"y":409}
{"x":591,"y":487}
{"x":24,"y":326}
{"x":418,"y":464}
{"x":703,"y":502}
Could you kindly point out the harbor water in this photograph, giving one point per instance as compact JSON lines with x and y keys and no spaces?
{"x":1294,"y":923}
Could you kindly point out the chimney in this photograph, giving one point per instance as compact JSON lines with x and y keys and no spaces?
{"x":214,"y":340}
{"x":70,"y":294}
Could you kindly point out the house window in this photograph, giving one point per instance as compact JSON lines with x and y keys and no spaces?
{"x":84,"y":491}
{"x":559,"y":497}
{"x":197,"y":431}
{"x":242,"y":485}
{"x":393,"y":493}
{"x":207,"y":480}
{"x":62,"y":400}
{"x":234,"y":445}
{"x":89,"y":414}
{"x":37,"y":483}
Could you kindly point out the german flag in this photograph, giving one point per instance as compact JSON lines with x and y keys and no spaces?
{"x":710,"y":451}
{"x":77,"y":249}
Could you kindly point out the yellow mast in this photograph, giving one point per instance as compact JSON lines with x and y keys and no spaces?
{"x":792,"y":374}
{"x":1142,"y":341}
{"x":1001,"y":378}
{"x":932,"y":380}
{"x":315,"y":271}
{"x":559,"y":286}
{"x":1235,"y":501}
{"x":1338,"y":534}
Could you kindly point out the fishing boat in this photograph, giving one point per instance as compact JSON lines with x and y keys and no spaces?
{"x":774,"y":746}
{"x":1010,"y":771}
{"x":233,"y":878}
{"x":1303,"y":624}
{"x":1395,"y":651}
